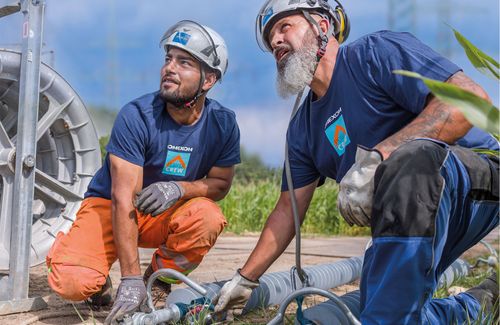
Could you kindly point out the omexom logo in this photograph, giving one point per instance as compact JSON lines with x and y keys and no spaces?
{"x":337,"y":133}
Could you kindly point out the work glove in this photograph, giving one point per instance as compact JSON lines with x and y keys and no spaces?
{"x":129,"y":298}
{"x":234,"y":295}
{"x":158,"y":197}
{"x":356,"y":188}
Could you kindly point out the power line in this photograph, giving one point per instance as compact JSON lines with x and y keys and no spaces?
{"x":402,"y":16}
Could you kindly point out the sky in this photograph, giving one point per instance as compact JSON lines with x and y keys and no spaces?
{"x":108,"y":50}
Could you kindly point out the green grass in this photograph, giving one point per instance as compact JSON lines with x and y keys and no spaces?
{"x":248,"y":205}
{"x":475,"y":277}
{"x":255,"y":191}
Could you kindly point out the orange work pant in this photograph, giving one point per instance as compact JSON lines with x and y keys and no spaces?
{"x":80,"y":260}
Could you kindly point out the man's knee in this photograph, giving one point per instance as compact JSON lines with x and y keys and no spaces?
{"x":197,"y":224}
{"x":407,"y":190}
{"x":73,"y":282}
{"x":208,"y":216}
{"x":414,"y":156}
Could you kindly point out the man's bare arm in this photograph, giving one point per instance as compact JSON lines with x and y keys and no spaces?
{"x":278,"y":231}
{"x":126,"y":180}
{"x":438,"y":120}
{"x":215,"y":186}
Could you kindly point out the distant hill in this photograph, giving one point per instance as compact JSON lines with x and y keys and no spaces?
{"x":103,"y":119}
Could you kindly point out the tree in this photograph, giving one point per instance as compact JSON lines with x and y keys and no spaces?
{"x":253,"y":169}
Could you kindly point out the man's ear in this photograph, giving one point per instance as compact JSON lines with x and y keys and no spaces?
{"x":210,"y":80}
{"x":324,"y":24}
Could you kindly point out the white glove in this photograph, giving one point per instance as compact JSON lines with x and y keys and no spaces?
{"x":234,"y":294}
{"x":356,"y":188}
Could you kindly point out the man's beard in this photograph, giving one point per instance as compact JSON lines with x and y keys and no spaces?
{"x":296,"y":71}
{"x":176,"y":98}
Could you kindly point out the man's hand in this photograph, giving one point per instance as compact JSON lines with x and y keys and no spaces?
{"x":129,"y":298}
{"x":356,"y":188}
{"x":234,"y":294}
{"x":158,"y":197}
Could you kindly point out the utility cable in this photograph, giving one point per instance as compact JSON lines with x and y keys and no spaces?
{"x":302,"y":275}
{"x":298,"y":266}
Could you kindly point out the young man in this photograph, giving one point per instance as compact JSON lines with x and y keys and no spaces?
{"x":171,"y":154}
{"x":401,"y":156}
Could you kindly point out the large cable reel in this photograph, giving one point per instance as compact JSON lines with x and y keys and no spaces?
{"x":68,"y":155}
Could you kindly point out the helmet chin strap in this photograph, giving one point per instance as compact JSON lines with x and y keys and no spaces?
{"x":322,"y":37}
{"x":199,"y":93}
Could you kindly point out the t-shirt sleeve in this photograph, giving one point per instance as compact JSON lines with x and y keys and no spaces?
{"x":389,"y":51}
{"x":129,"y":136}
{"x":230,"y":154}
{"x":303,"y":170}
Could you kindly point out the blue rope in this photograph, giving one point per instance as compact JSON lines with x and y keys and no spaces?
{"x":300,"y":314}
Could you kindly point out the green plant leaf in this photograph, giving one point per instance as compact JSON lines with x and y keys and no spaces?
{"x":480,"y":60}
{"x":486,"y":152}
{"x":478,"y":111}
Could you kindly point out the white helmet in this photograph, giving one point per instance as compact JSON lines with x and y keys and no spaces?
{"x":200,"y":41}
{"x":273,"y":10}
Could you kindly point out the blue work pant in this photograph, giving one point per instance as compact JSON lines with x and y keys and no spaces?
{"x":432,"y":202}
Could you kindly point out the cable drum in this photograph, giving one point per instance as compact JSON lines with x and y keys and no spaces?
{"x":68,"y":155}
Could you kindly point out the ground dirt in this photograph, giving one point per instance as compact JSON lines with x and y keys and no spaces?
{"x":229,"y":253}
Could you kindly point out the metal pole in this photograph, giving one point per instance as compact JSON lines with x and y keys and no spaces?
{"x":29,"y":86}
{"x":22,"y":215}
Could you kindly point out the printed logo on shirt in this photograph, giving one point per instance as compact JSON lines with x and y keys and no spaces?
{"x":180,"y":148}
{"x":176,"y":163}
{"x":337,"y":134}
{"x":333,"y":117}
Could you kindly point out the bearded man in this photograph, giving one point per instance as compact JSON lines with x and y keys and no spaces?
{"x":171,"y":154}
{"x":402,"y":157}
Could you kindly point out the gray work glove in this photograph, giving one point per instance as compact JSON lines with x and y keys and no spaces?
{"x":129,"y":298}
{"x":234,"y":295}
{"x":356,"y":188}
{"x":158,"y":197}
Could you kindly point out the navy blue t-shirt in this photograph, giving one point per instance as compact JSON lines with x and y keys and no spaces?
{"x":364,"y":104}
{"x":144,"y":134}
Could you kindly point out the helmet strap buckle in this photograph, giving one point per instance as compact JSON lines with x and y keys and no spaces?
{"x":323,"y":42}
{"x":322,"y":37}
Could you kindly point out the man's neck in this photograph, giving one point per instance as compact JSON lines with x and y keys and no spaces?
{"x":323,"y":75}
{"x":187,"y":116}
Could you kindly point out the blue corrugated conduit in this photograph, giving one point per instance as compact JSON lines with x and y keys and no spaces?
{"x":277,"y":288}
